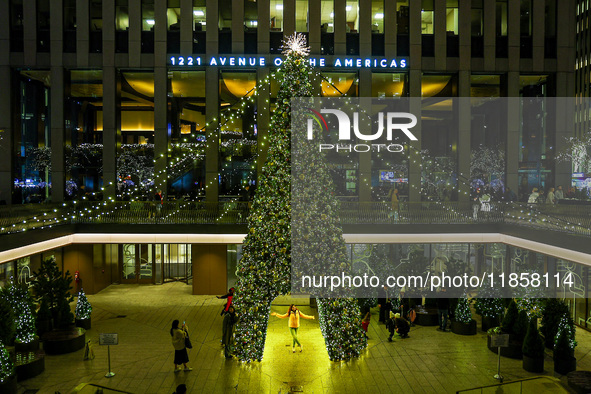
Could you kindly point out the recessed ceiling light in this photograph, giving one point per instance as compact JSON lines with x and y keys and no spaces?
{"x":379,"y":15}
{"x":150,"y":21}
{"x":199,"y":13}
{"x":332,"y":14}
{"x":279,"y":7}
{"x":349,"y":8}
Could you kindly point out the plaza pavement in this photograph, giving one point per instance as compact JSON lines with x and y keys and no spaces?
{"x":428,"y":362}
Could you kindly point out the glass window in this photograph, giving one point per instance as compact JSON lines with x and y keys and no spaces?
{"x":377,"y":16}
{"x":43,"y":26}
{"x":121,"y":15}
{"x":302,"y":15}
{"x":525,"y":18}
{"x":96,"y":26}
{"x":427,"y":16}
{"x":327,"y":16}
{"x":225,"y":15}
{"x":251,"y":15}
{"x":148,"y":20}
{"x":339,"y":84}
{"x":451,"y":15}
{"x":173,"y":15}
{"x":83,"y":147}
{"x":187,"y":133}
{"x":276,"y":14}
{"x":476,"y":16}
{"x":135,"y":158}
{"x":388,"y":85}
{"x":402,"y":16}
{"x":199,"y":15}
{"x":32,"y":177}
{"x":69,"y":26}
{"x":238,"y":133}
{"x":352,"y":9}
{"x":501,"y":17}
{"x":6,"y":272}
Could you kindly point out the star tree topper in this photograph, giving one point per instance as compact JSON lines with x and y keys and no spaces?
{"x":295,"y":45}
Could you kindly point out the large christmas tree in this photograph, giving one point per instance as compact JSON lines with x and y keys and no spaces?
{"x":264,"y":272}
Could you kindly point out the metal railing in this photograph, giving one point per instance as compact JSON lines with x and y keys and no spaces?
{"x":527,"y":385}
{"x":571,"y":219}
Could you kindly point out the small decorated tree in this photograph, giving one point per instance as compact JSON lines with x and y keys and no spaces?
{"x":7,"y":323}
{"x":20,"y":300}
{"x":564,"y":346}
{"x":6,"y":364}
{"x":533,"y":344}
{"x":552,"y":312}
{"x":463,"y":313}
{"x":83,"y":307}
{"x":521,"y":325}
{"x":54,"y":288}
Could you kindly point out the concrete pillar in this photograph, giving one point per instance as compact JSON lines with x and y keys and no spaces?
{"x":186,"y":27}
{"x":160,"y":30}
{"x":538,"y":32}
{"x":82,"y":32}
{"x":160,"y":128}
{"x":263,"y":118}
{"x":391,"y":28}
{"x":30,"y":30}
{"x":415,"y":159}
{"x":364,"y":182}
{"x":6,"y":136}
{"x":212,"y":134}
{"x":490,"y":35}
{"x":514,"y":34}
{"x":212,"y":29}
{"x":365,"y":30}
{"x":237,"y":26}
{"x":289,"y":16}
{"x":108,"y":33}
{"x":314,"y":27}
{"x":58,"y":170}
{"x":439,"y":30}
{"x":464,"y":133}
{"x":415,"y":40}
{"x":111,"y":130}
{"x":465,"y":33}
{"x":263,"y":27}
{"x":513,"y":127}
{"x":135,"y":33}
{"x":340,"y":31}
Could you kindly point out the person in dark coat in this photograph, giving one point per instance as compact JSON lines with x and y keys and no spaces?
{"x":402,"y":326}
{"x":442,"y":312}
{"x":384,"y":304}
{"x":228,"y":330}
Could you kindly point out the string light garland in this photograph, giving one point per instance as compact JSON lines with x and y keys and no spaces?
{"x":6,"y":364}
{"x":21,"y":302}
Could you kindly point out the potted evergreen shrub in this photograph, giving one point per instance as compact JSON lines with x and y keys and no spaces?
{"x":44,"y":319}
{"x":533,"y":348}
{"x":53,"y":287}
{"x":7,"y":372}
{"x":553,"y":310}
{"x":564,"y":346}
{"x":489,"y":305}
{"x":7,"y":323}
{"x":463,"y":324}
{"x":508,"y":327}
{"x":521,"y":326}
{"x":83,"y":310}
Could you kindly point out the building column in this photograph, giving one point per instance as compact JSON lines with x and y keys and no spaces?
{"x":464,"y":133}
{"x":289,"y":17}
{"x":111,"y":131}
{"x":160,"y":99}
{"x":340,"y":31}
{"x":82,"y":32}
{"x":538,"y":33}
{"x":364,"y":180}
{"x":314,"y":37}
{"x":135,"y":33}
{"x":440,"y":33}
{"x":415,"y":159}
{"x":30,"y":29}
{"x":6,"y":138}
{"x":489,"y":33}
{"x":237,"y":26}
{"x":58,"y":168}
{"x":513,"y":127}
{"x":263,"y":26}
{"x":415,"y":42}
{"x":391,"y":27}
{"x":514,"y":34}
{"x":212,"y":27}
{"x":365,"y":30}
{"x":263,"y":118}
{"x":186,"y":27}
{"x":212,"y":134}
{"x":564,"y":127}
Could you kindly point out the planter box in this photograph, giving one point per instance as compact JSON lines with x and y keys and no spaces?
{"x":44,"y":326}
{"x":533,"y":364}
{"x":564,"y":366}
{"x":513,"y":351}
{"x":9,"y":386}
{"x":83,"y":323}
{"x":27,"y":347}
{"x":64,"y":341}
{"x":489,"y":322}
{"x":29,"y":364}
{"x":427,"y":319}
{"x":464,"y":328}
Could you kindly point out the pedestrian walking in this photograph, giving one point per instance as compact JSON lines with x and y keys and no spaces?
{"x":178,"y":342}
{"x":294,"y":314}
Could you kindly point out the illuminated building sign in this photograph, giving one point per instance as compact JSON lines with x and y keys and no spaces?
{"x":264,"y":61}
